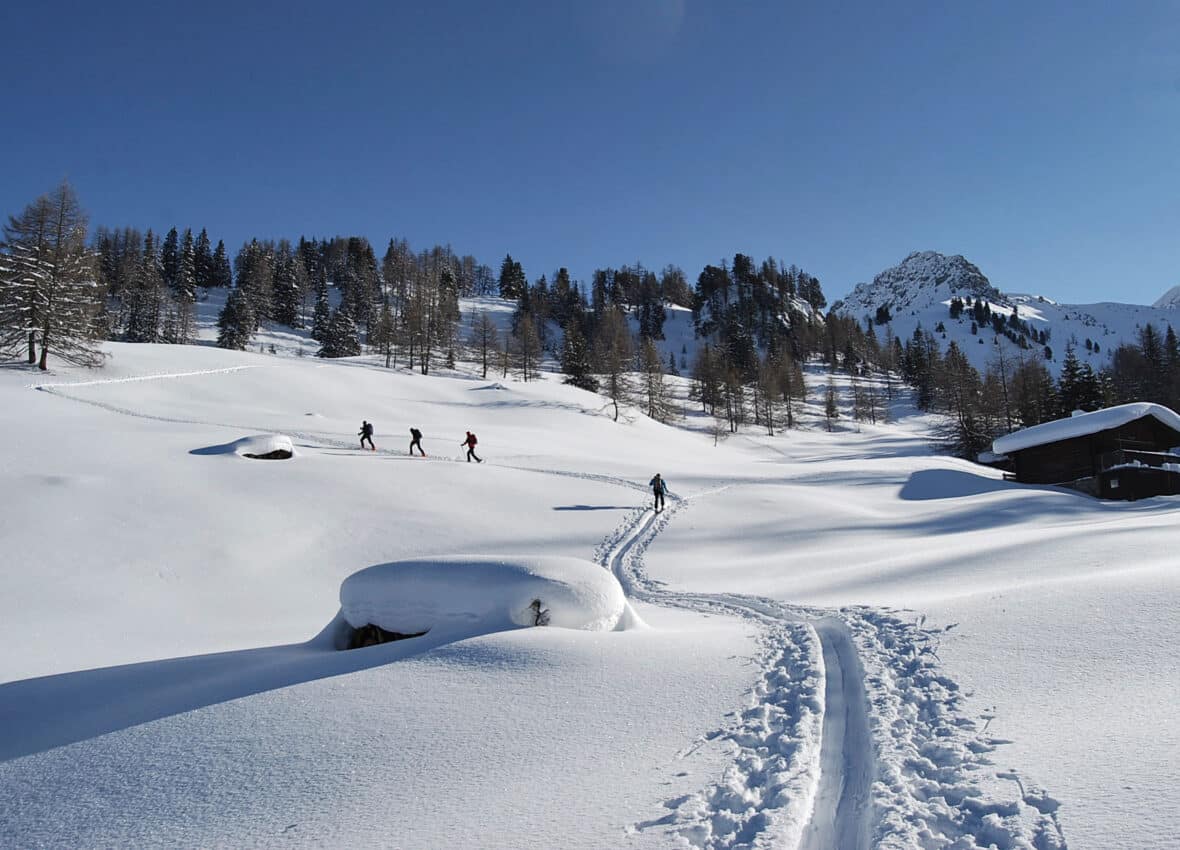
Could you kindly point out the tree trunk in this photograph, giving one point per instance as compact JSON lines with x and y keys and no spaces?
{"x":44,"y":364}
{"x":32,"y":347}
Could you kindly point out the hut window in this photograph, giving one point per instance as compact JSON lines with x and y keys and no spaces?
{"x":1114,"y":484}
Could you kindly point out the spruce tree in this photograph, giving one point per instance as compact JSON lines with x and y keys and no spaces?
{"x":322,"y":314}
{"x":1068,"y":394}
{"x":145,"y":296}
{"x":575,"y":360}
{"x":254,"y":267}
{"x":186,"y":269}
{"x":170,"y":258}
{"x":831,"y":409}
{"x":512,"y":278}
{"x":341,"y":338}
{"x":203,"y":260}
{"x":221,"y":275}
{"x":287,"y":296}
{"x":236,"y":322}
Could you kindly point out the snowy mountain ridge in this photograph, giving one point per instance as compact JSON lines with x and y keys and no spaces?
{"x":1169,"y":299}
{"x":918,"y":293}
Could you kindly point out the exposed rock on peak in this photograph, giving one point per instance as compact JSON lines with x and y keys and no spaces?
{"x":921,"y":277}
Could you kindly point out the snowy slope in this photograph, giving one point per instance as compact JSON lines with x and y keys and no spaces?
{"x":1169,"y":299}
{"x":840,"y":639}
{"x":918,"y":291}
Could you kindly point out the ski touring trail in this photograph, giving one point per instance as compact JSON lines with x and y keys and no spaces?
{"x":853,"y":738}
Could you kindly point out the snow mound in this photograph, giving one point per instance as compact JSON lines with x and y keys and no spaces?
{"x":265,"y":446}
{"x":480,"y":594}
{"x":258,"y":447}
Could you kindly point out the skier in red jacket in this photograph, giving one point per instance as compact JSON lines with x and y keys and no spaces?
{"x":470,"y":443}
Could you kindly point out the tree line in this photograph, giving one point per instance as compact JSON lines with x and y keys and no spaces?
{"x":60,"y":292}
{"x":63,"y":293}
{"x":1016,"y":390}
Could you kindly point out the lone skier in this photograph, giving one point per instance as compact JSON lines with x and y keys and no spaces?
{"x":470,"y":443}
{"x":416,"y":440}
{"x":366,"y":433}
{"x":658,"y":487}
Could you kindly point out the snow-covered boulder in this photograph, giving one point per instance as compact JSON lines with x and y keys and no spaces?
{"x":258,"y":447}
{"x":478,"y":595}
{"x":266,"y":447}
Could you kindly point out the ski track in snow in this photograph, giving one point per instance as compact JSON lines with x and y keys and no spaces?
{"x":852,"y":739}
{"x":48,"y":386}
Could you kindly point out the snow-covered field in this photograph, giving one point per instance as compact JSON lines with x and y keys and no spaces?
{"x":829,"y":640}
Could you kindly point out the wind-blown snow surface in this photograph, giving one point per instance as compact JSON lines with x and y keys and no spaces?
{"x":170,"y":679}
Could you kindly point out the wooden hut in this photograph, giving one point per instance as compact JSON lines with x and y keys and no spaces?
{"x":1120,"y":452}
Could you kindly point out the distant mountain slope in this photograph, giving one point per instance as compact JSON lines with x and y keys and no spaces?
{"x":919,"y":291}
{"x":1169,"y":299}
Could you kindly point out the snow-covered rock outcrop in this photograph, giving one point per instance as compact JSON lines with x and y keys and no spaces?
{"x":265,"y":447}
{"x":478,"y":595}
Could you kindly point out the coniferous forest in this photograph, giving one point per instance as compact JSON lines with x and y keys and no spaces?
{"x":63,"y":290}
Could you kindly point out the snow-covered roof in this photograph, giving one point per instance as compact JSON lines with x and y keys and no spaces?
{"x":990,"y":457}
{"x":1084,"y":424}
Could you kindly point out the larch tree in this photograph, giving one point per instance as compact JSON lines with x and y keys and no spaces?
{"x":527,"y":342}
{"x":657,"y":396}
{"x":49,"y":293}
{"x":383,"y":334}
{"x":613,"y":353}
{"x":483,"y":339}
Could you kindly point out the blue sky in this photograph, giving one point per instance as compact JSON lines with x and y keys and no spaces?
{"x":1042,"y":141}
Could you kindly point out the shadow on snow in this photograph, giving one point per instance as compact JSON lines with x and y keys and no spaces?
{"x":53,"y":711}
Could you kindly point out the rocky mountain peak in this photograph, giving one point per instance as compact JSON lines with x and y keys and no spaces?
{"x":918,"y":279}
{"x":1169,"y":299}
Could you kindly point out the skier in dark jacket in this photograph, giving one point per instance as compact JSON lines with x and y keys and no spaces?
{"x":658,"y":487}
{"x":416,"y":440}
{"x":470,"y":443}
{"x":366,"y":433}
